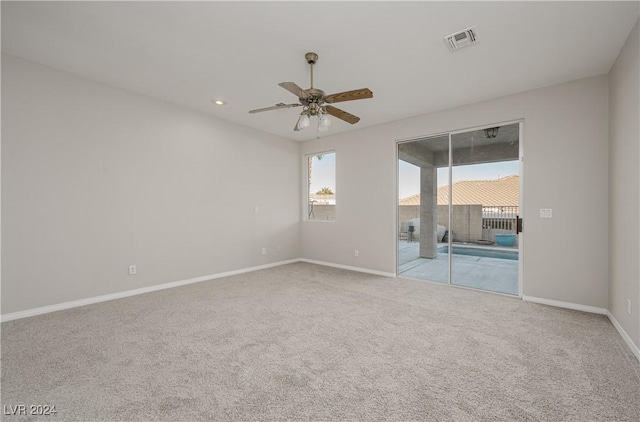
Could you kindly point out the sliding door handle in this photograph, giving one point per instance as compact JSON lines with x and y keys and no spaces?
{"x":519,"y":224}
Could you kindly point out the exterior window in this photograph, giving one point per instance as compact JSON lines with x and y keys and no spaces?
{"x":321,"y":187}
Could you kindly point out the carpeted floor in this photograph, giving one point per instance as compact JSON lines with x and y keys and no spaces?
{"x":304,"y":342}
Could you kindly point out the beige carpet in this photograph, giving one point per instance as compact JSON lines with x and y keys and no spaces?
{"x":305,"y":342}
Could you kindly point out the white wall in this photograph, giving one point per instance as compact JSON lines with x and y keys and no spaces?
{"x":624,"y":186}
{"x":96,"y":178}
{"x":565,"y":142}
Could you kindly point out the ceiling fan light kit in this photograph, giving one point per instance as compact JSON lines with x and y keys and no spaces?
{"x":323,"y":122}
{"x":314,"y":102}
{"x":303,"y":122}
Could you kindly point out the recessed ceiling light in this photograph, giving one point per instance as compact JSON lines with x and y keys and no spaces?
{"x":219,"y":102}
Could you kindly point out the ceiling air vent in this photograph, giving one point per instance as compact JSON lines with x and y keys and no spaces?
{"x":462,"y":38}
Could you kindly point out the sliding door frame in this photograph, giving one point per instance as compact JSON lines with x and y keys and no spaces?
{"x":521,"y":241}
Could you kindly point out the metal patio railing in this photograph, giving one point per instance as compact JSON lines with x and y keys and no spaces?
{"x":500,"y":217}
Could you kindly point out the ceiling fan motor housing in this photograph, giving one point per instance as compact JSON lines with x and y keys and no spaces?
{"x":315,"y":101}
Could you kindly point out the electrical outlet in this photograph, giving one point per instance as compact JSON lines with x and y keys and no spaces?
{"x":256,"y":209}
{"x":264,"y":251}
{"x":279,"y":248}
{"x":629,"y":306}
{"x":132,"y":270}
{"x":356,"y":252}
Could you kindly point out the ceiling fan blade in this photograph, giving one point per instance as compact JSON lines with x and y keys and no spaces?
{"x":295,"y":90}
{"x":275,"y":107}
{"x":341,"y":114}
{"x":356,"y":94}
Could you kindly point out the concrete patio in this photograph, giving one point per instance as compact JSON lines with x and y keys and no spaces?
{"x":493,"y":274}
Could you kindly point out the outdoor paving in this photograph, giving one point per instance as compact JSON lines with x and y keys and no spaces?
{"x":493,"y":274}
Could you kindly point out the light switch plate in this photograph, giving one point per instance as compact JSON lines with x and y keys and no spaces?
{"x":546,"y":213}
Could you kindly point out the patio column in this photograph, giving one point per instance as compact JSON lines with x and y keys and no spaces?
{"x":428,"y":211}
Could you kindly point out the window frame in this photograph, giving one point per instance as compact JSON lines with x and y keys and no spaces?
{"x":306,"y":184}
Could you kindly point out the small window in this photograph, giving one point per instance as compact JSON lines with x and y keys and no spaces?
{"x":321,"y":187}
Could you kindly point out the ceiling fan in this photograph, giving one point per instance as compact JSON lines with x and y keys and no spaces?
{"x":314,"y":102}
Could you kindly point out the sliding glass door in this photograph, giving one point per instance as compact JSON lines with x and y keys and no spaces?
{"x":459,"y":224}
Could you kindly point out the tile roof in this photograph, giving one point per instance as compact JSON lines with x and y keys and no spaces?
{"x":504,"y":191}
{"x":410,"y":200}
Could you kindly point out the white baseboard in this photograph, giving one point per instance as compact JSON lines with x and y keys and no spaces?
{"x":127,"y":293}
{"x":148,"y":289}
{"x":567,"y":305}
{"x":634,"y":349}
{"x":347,"y":267}
{"x":591,"y":309}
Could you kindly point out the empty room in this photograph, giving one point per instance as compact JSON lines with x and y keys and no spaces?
{"x":320,"y":211}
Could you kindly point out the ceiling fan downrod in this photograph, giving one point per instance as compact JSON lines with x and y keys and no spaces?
{"x":312,"y":58}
